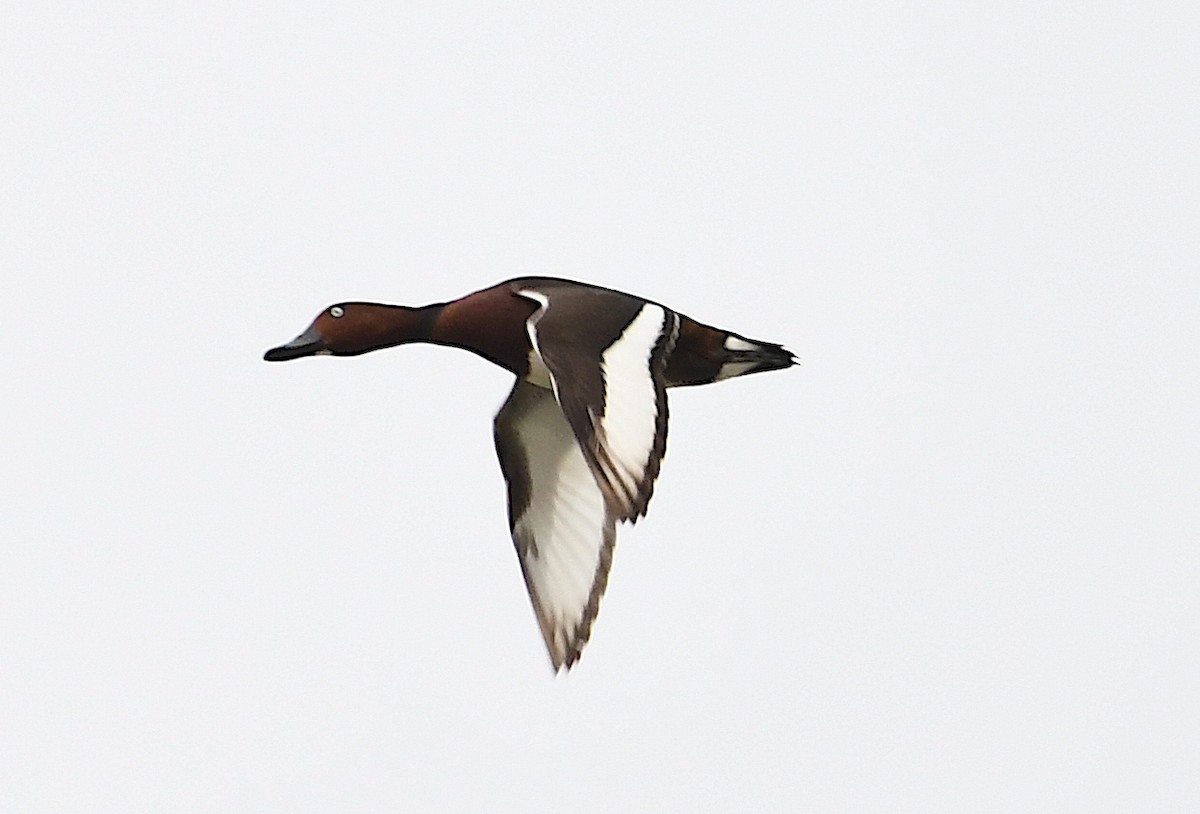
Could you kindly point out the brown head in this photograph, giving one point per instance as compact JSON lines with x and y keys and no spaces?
{"x":351,"y":328}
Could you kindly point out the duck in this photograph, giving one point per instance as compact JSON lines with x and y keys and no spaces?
{"x":582,"y":435}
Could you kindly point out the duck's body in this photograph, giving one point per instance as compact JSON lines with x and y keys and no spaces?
{"x":581,"y":436}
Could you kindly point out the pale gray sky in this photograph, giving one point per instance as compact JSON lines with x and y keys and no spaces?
{"x":949,"y":564}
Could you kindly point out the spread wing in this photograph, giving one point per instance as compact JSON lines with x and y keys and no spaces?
{"x":606,"y":353}
{"x":561,"y":524}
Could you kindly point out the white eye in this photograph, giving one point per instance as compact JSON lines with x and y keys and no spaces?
{"x":336,"y":311}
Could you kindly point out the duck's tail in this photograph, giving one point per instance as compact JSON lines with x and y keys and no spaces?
{"x":743,"y":356}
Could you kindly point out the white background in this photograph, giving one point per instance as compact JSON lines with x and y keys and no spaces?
{"x":949,"y":564}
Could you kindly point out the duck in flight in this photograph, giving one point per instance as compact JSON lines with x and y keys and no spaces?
{"x":583,"y":432}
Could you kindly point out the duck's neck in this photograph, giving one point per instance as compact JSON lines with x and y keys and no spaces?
{"x":489,"y":323}
{"x":385,"y":326}
{"x":417,"y":324}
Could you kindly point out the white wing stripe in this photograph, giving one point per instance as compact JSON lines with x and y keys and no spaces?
{"x":630,"y":401}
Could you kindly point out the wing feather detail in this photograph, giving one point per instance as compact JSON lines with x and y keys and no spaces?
{"x":631,"y":436}
{"x":610,"y":384}
{"x":561,"y":524}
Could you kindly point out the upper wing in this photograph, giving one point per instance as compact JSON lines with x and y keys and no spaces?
{"x":561,"y":524}
{"x":606,"y":353}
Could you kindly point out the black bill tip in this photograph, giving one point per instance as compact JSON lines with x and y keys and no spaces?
{"x":308,"y":343}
